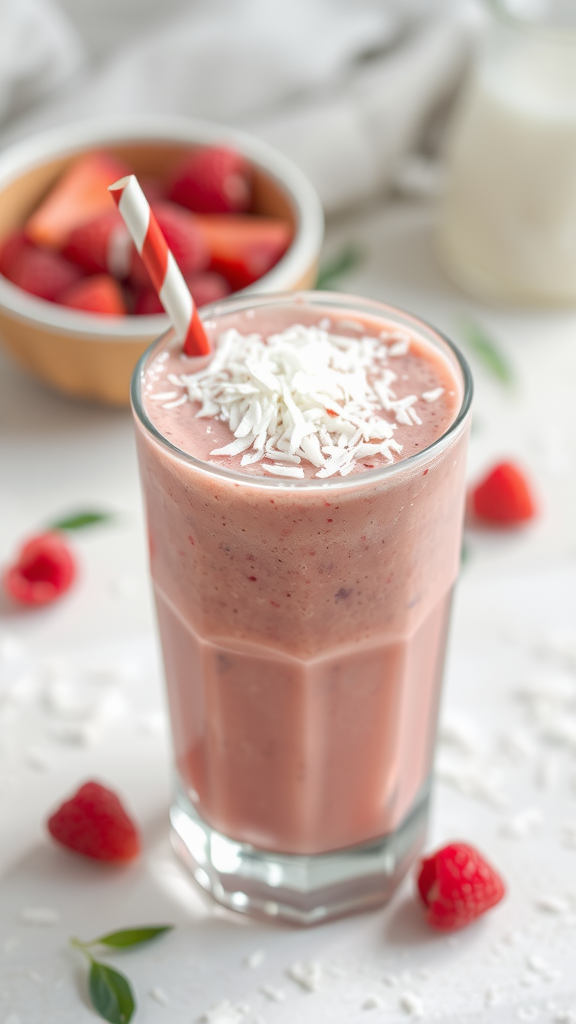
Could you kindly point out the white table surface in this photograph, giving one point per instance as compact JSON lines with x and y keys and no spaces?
{"x":506,"y":762}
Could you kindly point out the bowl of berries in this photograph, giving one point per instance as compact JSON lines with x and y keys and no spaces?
{"x":77,"y":307}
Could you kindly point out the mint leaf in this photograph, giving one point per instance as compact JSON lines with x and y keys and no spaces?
{"x":332,"y":271}
{"x":131,"y":936}
{"x":487,"y":350}
{"x":111,"y":994}
{"x":80,"y":520}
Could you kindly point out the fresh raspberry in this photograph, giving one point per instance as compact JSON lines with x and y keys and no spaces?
{"x":184,"y":239}
{"x":503,"y":497}
{"x":213,"y":180}
{"x":244,"y":248}
{"x":457,"y":885}
{"x":40,"y":271}
{"x":44,"y":570}
{"x":153,"y":188}
{"x":10,"y":251}
{"x":98,"y":294}
{"x":101,"y":246}
{"x":205,"y":287}
{"x":147,"y":303}
{"x":94,"y":823}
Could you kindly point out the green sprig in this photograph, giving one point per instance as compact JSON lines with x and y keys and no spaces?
{"x":110,"y":991}
{"x":331,"y":271}
{"x":488,"y":351}
{"x":80,"y":520}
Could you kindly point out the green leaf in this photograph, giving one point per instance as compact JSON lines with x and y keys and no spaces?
{"x":80,"y":520}
{"x":111,"y":994}
{"x":331,"y":272}
{"x":131,"y":936}
{"x":487,"y":350}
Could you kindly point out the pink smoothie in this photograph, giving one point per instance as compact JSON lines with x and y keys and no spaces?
{"x":303,"y":621}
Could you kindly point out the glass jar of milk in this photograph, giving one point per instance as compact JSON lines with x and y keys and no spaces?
{"x":508,"y":224}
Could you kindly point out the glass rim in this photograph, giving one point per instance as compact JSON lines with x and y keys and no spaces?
{"x":350,"y":303}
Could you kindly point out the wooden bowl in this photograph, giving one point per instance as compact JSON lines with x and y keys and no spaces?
{"x":91,"y":356}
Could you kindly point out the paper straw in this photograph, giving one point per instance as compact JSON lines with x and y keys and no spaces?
{"x":167,"y":279}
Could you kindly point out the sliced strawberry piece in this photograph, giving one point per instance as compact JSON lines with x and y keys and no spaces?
{"x":457,"y":885}
{"x":79,"y":195}
{"x":44,"y":570}
{"x":213,"y":180}
{"x":184,"y":239}
{"x":94,"y":823}
{"x":244,"y":248}
{"x":98,"y":294}
{"x":40,"y":271}
{"x":503,"y":497}
{"x":101,"y":246}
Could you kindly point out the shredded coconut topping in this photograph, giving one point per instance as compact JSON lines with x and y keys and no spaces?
{"x":303,"y":395}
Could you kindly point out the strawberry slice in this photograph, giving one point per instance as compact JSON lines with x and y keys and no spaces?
{"x":39,"y":271}
{"x":244,"y":248}
{"x":94,"y":823}
{"x":101,"y":246}
{"x":457,"y":885}
{"x":213,"y":180}
{"x":503,"y":497}
{"x":184,"y":239}
{"x":98,"y":294}
{"x":44,"y":570}
{"x":205,"y":287}
{"x":79,"y":195}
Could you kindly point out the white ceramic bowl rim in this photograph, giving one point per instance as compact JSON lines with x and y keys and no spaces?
{"x":73,"y":138}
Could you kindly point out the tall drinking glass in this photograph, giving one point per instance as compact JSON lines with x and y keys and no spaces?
{"x":303,"y":626}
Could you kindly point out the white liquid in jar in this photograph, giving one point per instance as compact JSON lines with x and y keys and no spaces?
{"x":508,"y":226}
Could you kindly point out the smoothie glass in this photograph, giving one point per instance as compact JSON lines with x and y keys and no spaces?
{"x":303,"y":626}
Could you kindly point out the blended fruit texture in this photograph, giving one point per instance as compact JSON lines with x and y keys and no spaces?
{"x":303,"y":623}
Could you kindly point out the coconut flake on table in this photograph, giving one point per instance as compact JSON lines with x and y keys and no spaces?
{"x":276,"y":995}
{"x":303,"y":395}
{"x":307,"y":975}
{"x":225,"y":1013}
{"x":44,"y":916}
{"x":159,"y":995}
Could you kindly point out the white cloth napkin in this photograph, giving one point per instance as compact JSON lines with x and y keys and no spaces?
{"x":343,"y":87}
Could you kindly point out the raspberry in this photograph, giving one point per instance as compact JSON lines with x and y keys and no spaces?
{"x":457,"y":885}
{"x":40,"y":271}
{"x":101,"y":245}
{"x":503,"y":497}
{"x":213,"y":180}
{"x":94,"y":823}
{"x":184,"y":239}
{"x":43,"y":571}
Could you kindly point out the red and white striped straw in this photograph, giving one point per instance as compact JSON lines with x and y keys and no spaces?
{"x":167,"y":279}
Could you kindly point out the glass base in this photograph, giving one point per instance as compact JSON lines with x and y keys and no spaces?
{"x":303,"y":890}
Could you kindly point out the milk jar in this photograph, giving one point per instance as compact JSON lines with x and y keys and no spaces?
{"x":508,"y":222}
